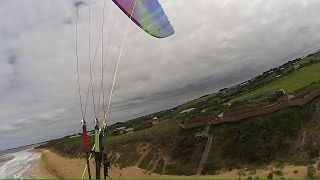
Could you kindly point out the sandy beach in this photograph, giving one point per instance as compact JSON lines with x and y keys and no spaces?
{"x":52,"y":165}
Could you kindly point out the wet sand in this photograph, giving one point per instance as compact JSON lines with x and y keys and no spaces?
{"x":51,"y":165}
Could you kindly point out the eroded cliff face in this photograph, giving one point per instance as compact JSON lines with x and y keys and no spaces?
{"x":286,"y":136}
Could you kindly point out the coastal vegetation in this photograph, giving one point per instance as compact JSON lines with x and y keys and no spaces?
{"x":289,"y":135}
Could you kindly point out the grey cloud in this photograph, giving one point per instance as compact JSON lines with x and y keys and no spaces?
{"x":12,"y":59}
{"x":77,"y":4}
{"x":217,"y":44}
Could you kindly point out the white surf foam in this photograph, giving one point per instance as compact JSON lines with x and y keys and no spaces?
{"x":18,"y":164}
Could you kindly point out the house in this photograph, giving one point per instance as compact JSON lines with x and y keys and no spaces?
{"x":151,"y":122}
{"x":242,"y":84}
{"x":75,"y":136}
{"x":280,"y":91}
{"x":290,"y":96}
{"x":90,"y":133}
{"x":187,"y":111}
{"x":119,"y":131}
{"x":221,"y":115}
{"x":129,"y":130}
{"x":122,"y":130}
{"x":296,"y":67}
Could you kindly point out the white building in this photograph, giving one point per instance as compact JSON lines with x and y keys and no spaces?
{"x":187,"y":111}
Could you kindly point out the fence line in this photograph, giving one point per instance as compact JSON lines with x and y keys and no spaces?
{"x":245,"y":114}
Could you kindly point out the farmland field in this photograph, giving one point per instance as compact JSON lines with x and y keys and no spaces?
{"x":290,"y":83}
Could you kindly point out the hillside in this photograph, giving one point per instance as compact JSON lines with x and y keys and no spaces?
{"x":289,"y":135}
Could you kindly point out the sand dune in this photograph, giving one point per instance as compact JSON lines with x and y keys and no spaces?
{"x":51,"y":165}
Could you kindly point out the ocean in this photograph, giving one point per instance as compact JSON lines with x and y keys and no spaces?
{"x":17,"y":162}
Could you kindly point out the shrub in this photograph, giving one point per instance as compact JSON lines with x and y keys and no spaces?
{"x":211,"y":168}
{"x":313,"y":152}
{"x":311,"y":172}
{"x":278,"y":173}
{"x":270,"y":176}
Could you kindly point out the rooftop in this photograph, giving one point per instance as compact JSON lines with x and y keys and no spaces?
{"x":120,"y":128}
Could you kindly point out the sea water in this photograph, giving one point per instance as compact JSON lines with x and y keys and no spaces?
{"x":16,"y":163}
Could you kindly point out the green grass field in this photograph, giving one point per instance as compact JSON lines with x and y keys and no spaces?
{"x":290,"y":83}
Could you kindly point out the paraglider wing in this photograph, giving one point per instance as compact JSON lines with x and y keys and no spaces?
{"x":148,"y":15}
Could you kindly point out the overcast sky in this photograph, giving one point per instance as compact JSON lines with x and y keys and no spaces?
{"x":216,"y":44}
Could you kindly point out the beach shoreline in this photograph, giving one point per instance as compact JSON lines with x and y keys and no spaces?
{"x":16,"y":163}
{"x":52,"y":165}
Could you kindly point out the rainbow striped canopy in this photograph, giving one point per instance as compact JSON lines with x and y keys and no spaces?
{"x":148,"y":15}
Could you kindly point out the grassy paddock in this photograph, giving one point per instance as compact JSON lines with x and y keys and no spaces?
{"x":290,"y":83}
